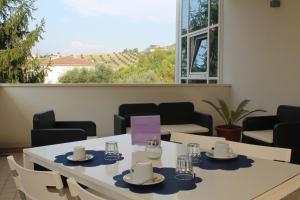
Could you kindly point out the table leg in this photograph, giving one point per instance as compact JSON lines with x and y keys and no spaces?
{"x":27,"y":163}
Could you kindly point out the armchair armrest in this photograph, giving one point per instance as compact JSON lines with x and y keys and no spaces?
{"x":287,"y":135}
{"x":204,"y":120}
{"x":88,"y":126}
{"x":42,"y":137}
{"x":119,"y":125}
{"x":259,"y":123}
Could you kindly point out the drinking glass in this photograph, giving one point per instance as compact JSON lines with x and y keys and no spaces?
{"x":184,"y":168}
{"x":194,"y":152}
{"x":111,"y":151}
{"x":153,"y":149}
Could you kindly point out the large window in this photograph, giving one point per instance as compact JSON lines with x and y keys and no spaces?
{"x":198,"y":41}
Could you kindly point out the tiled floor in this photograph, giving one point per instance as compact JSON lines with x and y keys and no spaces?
{"x":7,"y":186}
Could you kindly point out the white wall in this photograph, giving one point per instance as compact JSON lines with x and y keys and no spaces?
{"x":97,"y":103}
{"x":262,"y":52}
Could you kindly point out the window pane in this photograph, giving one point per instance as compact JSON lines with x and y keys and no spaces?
{"x":198,"y":54}
{"x":184,"y":17}
{"x":214,"y":50}
{"x":214,"y":12}
{"x":183,"y":80}
{"x":184,"y":57}
{"x":213,"y":81}
{"x":198,"y":15}
{"x":198,"y":81}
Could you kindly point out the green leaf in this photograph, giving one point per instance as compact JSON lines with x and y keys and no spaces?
{"x":249,"y":113}
{"x":217,"y":109}
{"x":242,"y":105}
{"x":225,"y":110}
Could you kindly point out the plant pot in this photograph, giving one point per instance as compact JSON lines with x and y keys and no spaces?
{"x":232,"y":133}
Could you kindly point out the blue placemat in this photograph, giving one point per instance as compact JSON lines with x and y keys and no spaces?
{"x":169,"y":186}
{"x":96,"y":161}
{"x":233,"y":164}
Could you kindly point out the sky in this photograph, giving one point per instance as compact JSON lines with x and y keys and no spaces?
{"x":100,"y":26}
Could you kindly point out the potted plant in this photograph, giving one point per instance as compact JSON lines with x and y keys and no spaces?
{"x":230,"y":130}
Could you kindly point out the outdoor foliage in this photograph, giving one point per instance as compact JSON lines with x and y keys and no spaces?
{"x":155,"y":67}
{"x":34,"y":71}
{"x":16,"y":42}
{"x":101,"y":74}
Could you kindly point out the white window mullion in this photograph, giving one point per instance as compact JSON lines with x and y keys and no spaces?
{"x":208,"y":42}
{"x":189,"y":35}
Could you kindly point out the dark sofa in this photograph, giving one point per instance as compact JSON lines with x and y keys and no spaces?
{"x":280,"y":130}
{"x":175,"y":117}
{"x":47,"y":131}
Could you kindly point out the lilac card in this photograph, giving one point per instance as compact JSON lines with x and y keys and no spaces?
{"x":144,"y":128}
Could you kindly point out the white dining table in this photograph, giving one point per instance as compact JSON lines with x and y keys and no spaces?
{"x":264,"y":180}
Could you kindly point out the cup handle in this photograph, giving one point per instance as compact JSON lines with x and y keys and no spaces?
{"x":132,"y":169}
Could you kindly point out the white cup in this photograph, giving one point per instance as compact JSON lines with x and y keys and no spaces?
{"x":79,"y":153}
{"x":141,"y":172}
{"x":222,"y":150}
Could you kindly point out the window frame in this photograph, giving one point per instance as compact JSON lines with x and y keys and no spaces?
{"x":189,"y":35}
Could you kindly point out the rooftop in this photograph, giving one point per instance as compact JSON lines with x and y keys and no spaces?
{"x":72,"y":61}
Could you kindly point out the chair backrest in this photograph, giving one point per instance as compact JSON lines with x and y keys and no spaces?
{"x":37,"y":185}
{"x":176,"y":113}
{"x":288,"y":113}
{"x":206,"y":142}
{"x":286,"y":135}
{"x":77,"y":191}
{"x":44,"y":120}
{"x":263,"y":152}
{"x":142,"y":109}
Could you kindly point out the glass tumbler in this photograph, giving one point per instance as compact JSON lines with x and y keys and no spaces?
{"x":111,"y":151}
{"x":184,"y":168}
{"x":194,"y":152}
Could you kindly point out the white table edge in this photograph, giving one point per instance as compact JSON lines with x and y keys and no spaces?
{"x":102,"y":188}
{"x":284,"y":189}
{"x":278,"y":192}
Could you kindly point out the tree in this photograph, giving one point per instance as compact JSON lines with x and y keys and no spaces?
{"x":155,"y":67}
{"x":101,"y":74}
{"x":16,"y":42}
{"x":34,"y":71}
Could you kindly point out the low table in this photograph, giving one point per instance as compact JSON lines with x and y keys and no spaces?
{"x":264,"y":180}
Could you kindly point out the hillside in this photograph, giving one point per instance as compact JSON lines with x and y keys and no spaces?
{"x":116,"y":59}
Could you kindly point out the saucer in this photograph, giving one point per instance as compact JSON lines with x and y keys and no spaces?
{"x":229,"y":157}
{"x":157,"y":178}
{"x":87,"y":158}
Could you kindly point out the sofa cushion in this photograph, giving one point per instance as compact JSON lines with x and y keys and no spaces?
{"x":184,"y":128}
{"x":176,"y":113}
{"x":44,"y":120}
{"x":288,"y":113}
{"x":144,"y":109}
{"x":263,"y":135}
{"x":163,"y":131}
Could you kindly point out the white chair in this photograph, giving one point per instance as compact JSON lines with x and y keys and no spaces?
{"x":263,"y":152}
{"x":78,"y":192}
{"x":206,"y":142}
{"x":36,"y":185}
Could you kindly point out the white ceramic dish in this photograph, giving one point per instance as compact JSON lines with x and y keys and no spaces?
{"x":229,"y":157}
{"x":87,"y":158}
{"x":157,"y":178}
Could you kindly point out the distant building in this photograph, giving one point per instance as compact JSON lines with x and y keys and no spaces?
{"x":151,"y":49}
{"x":61,"y":65}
